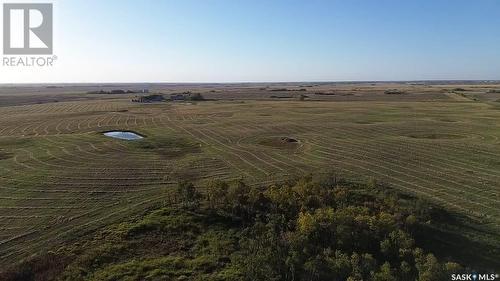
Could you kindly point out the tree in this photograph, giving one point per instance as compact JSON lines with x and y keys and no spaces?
{"x":406,"y":272}
{"x":237,"y":196}
{"x":384,"y":274}
{"x":217,"y":191}
{"x":266,"y":252}
{"x":195,"y":97}
{"x":429,"y":269}
{"x":188,"y":194}
{"x":398,"y":245}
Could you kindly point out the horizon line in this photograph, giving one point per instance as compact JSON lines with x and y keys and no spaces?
{"x":263,"y":82}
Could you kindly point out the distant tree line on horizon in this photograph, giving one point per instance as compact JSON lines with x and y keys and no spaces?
{"x":118,"y":91}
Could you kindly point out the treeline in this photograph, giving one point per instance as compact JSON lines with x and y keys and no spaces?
{"x":287,"y":90}
{"x":311,"y":228}
{"x":187,"y":96}
{"x":149,"y":98}
{"x":322,"y":230}
{"x":118,"y":91}
{"x":394,"y":92}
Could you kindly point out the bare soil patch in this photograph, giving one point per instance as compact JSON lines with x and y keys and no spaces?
{"x":283,"y":142}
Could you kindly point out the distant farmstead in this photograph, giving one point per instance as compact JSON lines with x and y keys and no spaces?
{"x":177,"y":97}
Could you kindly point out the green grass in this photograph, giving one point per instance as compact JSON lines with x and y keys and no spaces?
{"x":166,"y":146}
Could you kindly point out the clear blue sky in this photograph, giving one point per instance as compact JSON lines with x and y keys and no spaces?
{"x":271,"y":40}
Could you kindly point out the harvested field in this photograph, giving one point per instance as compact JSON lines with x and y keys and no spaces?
{"x":436,"y":136}
{"x":61,"y":178}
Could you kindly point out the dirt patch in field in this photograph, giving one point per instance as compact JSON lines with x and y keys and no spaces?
{"x":436,"y":136}
{"x":280,"y":142}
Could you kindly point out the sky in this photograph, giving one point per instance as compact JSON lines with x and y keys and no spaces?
{"x":269,"y":41}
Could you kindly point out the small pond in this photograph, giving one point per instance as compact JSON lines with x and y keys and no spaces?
{"x":123,"y":135}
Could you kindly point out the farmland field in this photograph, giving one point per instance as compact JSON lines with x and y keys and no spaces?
{"x":60,"y":178}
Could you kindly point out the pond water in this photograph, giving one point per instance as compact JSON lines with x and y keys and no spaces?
{"x":123,"y":135}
